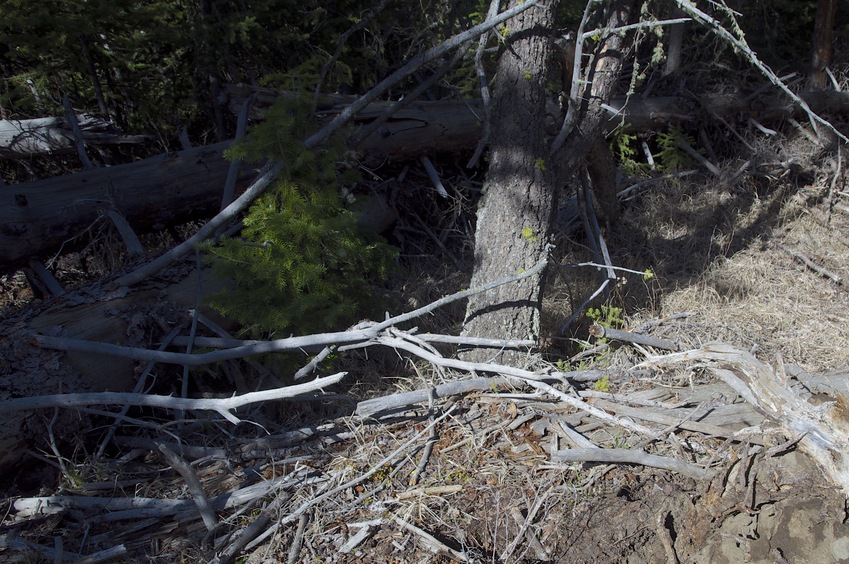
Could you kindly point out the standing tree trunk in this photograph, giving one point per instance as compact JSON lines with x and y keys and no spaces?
{"x":516,"y":210}
{"x":85,"y":46}
{"x":821,"y":43}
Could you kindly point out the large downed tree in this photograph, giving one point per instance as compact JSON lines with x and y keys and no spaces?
{"x":39,"y":217}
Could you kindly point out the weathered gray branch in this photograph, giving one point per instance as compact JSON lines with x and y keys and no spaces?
{"x":361,"y":333}
{"x":825,"y":427}
{"x":367,"y":408}
{"x":600,"y":332}
{"x":24,"y":139}
{"x":631,"y":456}
{"x":222,"y":406}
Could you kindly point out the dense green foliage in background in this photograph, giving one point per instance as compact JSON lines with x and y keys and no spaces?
{"x":159,"y":65}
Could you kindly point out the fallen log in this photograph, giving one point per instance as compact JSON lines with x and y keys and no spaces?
{"x":37,"y":218}
{"x":26,"y":138}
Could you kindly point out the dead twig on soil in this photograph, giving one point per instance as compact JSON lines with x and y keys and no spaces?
{"x":210,"y":519}
{"x":600,"y":332}
{"x":351,"y":483}
{"x":631,"y":456}
{"x":431,"y":541}
{"x":812,"y":265}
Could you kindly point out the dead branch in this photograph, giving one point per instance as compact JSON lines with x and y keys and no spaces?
{"x":600,"y":332}
{"x":360,"y":333}
{"x":533,"y":379}
{"x":353,"y":482}
{"x":825,"y":427}
{"x":812,"y":265}
{"x":228,"y":343}
{"x":222,"y":406}
{"x":23,"y":139}
{"x":743,"y":48}
{"x":393,"y":402}
{"x":210,"y":519}
{"x":119,"y":508}
{"x":631,"y":456}
{"x":431,"y":541}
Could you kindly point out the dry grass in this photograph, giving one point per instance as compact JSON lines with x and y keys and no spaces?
{"x":735,"y":273}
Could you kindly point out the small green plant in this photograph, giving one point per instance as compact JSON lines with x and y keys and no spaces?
{"x":609,"y":317}
{"x":618,"y":441}
{"x":528,"y":234}
{"x":623,"y":145}
{"x":539,"y":163}
{"x":602,"y":385}
{"x":671,"y":156}
{"x":301,"y":263}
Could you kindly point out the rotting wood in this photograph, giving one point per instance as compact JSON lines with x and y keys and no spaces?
{"x":723,"y":428}
{"x":41,"y":216}
{"x":825,"y":427}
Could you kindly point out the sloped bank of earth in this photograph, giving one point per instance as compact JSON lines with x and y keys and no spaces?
{"x":765,"y":510}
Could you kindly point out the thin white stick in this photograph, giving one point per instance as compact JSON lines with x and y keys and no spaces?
{"x":360,"y":333}
{"x":222,"y":406}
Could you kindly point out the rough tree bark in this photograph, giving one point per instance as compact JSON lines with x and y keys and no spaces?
{"x":516,"y":210}
{"x":822,"y":43}
{"x":518,"y":202}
